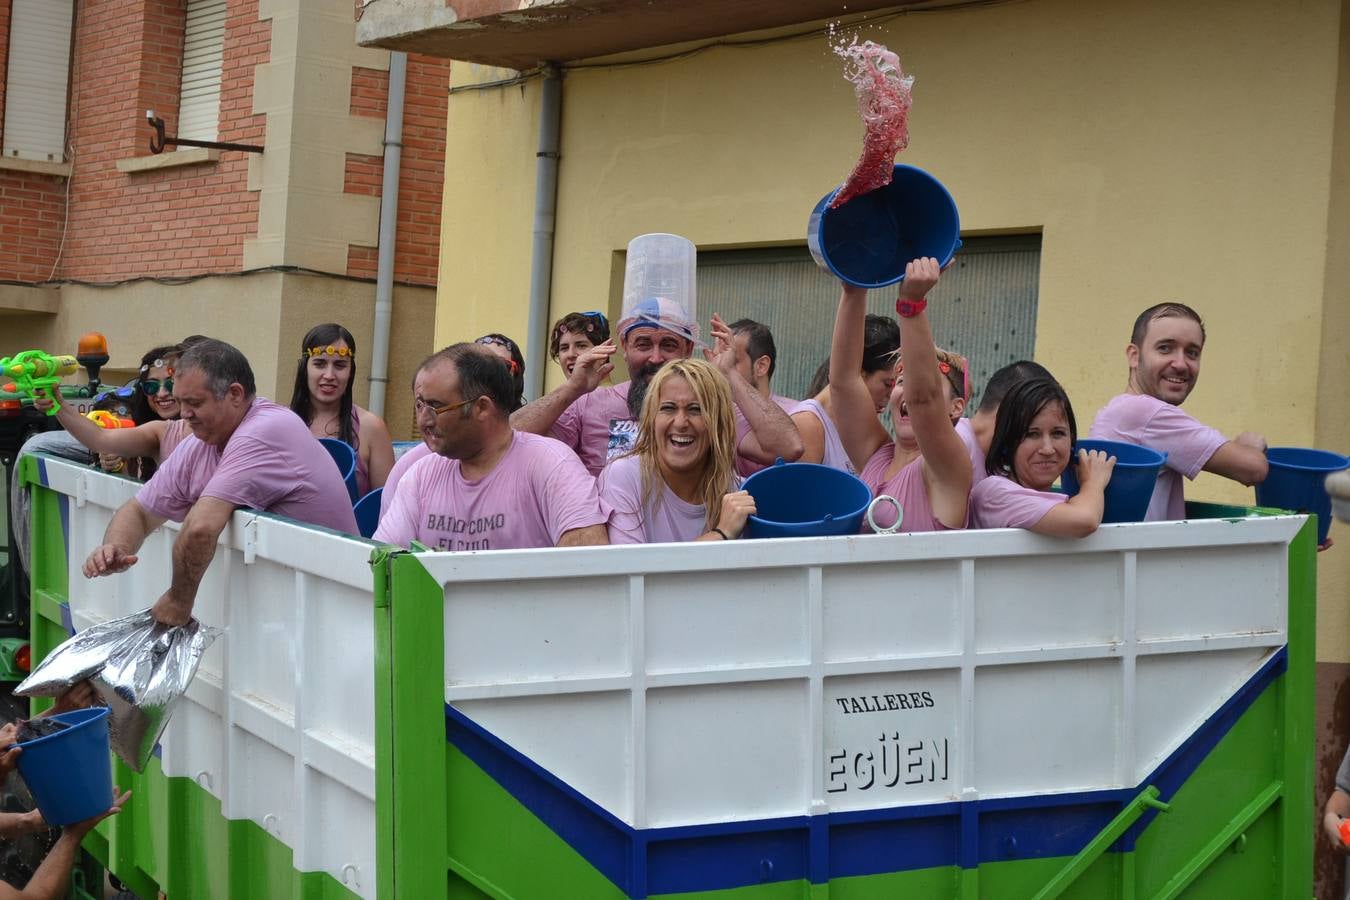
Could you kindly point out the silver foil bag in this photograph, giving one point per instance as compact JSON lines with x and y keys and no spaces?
{"x":138,"y":666}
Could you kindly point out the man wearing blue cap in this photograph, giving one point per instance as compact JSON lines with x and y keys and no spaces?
{"x":600,"y":422}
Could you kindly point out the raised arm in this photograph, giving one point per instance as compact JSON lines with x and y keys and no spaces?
{"x":591,"y":369}
{"x":946,"y":463}
{"x":143,"y":440}
{"x":854,"y":415}
{"x":775,"y":435}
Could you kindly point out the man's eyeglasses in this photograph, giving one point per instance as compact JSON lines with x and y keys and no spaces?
{"x":151,"y":386}
{"x":437,"y":409}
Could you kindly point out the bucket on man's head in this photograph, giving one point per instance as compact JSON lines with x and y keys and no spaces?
{"x":1132,"y":480}
{"x":345,"y":456}
{"x":805,"y":500}
{"x":69,"y":773}
{"x":1296,"y":480}
{"x":869,"y":240}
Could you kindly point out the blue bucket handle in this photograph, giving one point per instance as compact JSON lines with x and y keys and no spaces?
{"x":899,"y":514}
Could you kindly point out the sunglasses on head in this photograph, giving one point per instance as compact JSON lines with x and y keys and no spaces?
{"x":151,"y":386}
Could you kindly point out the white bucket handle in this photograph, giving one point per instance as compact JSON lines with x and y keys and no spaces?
{"x":899,"y":514}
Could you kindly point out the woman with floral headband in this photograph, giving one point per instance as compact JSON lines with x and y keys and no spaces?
{"x":149,"y":403}
{"x":574,"y":334}
{"x":926,"y":467}
{"x":324,"y":377}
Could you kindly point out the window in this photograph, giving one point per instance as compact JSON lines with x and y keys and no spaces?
{"x":984,"y":309}
{"x":203,"y":48}
{"x":36,"y":86}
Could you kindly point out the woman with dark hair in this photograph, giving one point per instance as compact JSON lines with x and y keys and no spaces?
{"x":574,"y":334}
{"x":149,"y":402}
{"x":322,"y":397}
{"x":502,"y":346}
{"x":1034,"y":435}
{"x":820,"y":436}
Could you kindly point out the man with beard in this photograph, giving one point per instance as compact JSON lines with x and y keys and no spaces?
{"x":600,"y":422}
{"x":486,"y":486}
{"x":1164,"y":358}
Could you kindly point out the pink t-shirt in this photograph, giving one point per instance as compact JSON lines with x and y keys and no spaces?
{"x":401,"y":467}
{"x":1150,"y":422}
{"x":836,"y":457}
{"x":966,"y":432}
{"x":175,"y":430}
{"x":664,"y":518}
{"x":744,"y":465}
{"x":598,"y":426}
{"x":1000,"y":502}
{"x":907,"y":486}
{"x":537,"y":492}
{"x":271,"y":462}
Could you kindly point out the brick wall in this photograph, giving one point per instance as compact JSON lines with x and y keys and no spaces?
{"x":31,"y":213}
{"x":422,"y":172}
{"x":178,"y":221}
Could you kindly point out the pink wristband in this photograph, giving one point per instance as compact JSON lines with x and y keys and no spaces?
{"x":908,"y":309}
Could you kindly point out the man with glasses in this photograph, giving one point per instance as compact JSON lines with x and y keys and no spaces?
{"x":244,"y":451}
{"x":486,"y":486}
{"x":600,"y":423}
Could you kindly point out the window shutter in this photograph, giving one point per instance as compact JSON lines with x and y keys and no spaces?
{"x":203,"y":47}
{"x":39,"y":73}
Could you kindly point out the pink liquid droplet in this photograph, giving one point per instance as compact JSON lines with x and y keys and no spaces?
{"x":883,"y":91}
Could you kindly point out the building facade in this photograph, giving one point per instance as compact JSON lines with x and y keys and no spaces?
{"x":99,"y":233}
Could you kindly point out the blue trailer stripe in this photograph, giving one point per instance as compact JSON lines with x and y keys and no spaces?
{"x":837,"y":845}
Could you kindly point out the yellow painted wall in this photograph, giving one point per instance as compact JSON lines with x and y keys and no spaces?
{"x":1165,"y":151}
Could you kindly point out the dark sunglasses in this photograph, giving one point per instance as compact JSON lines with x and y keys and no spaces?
{"x":151,"y":386}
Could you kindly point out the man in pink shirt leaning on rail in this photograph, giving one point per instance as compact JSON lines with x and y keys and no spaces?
{"x":487,"y":486}
{"x":244,"y":451}
{"x":1164,"y":357}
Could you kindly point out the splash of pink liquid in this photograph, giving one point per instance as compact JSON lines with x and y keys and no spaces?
{"x":883,"y":91}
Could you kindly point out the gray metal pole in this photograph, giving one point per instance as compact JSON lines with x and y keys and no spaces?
{"x":545,"y":215}
{"x":384,"y":272}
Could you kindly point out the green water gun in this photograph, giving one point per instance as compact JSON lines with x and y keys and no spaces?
{"x":36,"y":373}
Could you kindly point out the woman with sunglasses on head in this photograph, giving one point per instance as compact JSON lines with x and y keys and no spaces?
{"x":679,"y":483}
{"x":574,"y":334}
{"x":324,"y":378}
{"x":150,"y":404}
{"x":1034,"y":434}
{"x":926,"y":467}
{"x":504,"y":349}
{"x":508,"y":351}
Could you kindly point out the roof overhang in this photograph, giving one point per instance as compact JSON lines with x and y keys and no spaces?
{"x":521,"y":34}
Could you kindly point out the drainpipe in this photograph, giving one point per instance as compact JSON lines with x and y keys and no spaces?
{"x":545,"y":214}
{"x":384,"y":272}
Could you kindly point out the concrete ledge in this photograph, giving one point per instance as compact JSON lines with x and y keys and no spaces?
{"x":26,"y":299}
{"x":35,"y":167}
{"x":193,"y":156}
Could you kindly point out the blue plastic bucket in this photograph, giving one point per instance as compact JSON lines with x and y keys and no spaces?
{"x":345,"y":456}
{"x":868,"y":241}
{"x":70,"y":773}
{"x":1297,"y":481}
{"x":1132,"y":480}
{"x":805,"y":500}
{"x":367,"y":512}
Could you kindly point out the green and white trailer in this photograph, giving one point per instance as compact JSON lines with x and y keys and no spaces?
{"x":982,"y":714}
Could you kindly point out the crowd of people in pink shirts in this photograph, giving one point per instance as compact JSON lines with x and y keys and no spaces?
{"x":659,"y":457}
